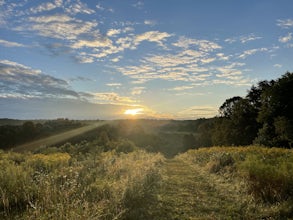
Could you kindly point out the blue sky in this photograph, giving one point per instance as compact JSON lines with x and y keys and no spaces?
{"x":157,"y":58}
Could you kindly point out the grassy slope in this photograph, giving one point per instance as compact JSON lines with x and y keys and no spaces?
{"x":207,"y":183}
{"x":195,"y":186}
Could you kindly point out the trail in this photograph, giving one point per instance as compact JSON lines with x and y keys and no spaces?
{"x":189,"y":192}
{"x":58,"y":138}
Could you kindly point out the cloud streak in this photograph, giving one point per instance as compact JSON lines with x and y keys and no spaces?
{"x":285,"y":23}
{"x":6,"y":43}
{"x":22,"y":81}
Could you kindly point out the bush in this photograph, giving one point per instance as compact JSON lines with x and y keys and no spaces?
{"x":269,"y":179}
{"x":16,"y":186}
{"x":223,"y":160}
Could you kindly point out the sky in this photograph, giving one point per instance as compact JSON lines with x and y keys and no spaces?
{"x":111,"y":59}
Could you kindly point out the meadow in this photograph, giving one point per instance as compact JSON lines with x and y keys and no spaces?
{"x":125,"y":182}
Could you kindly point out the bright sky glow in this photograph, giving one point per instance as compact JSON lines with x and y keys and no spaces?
{"x":175,"y":59}
{"x":133,"y":112}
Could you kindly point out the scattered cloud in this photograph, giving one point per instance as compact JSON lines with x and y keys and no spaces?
{"x":287,"y":23}
{"x":251,"y":37}
{"x":6,"y":43}
{"x":247,"y":53}
{"x":187,"y":63}
{"x":150,"y":22}
{"x":138,"y":5}
{"x":203,"y":45}
{"x":222,"y":56}
{"x":243,"y":39}
{"x":116,"y":59}
{"x":100,"y":7}
{"x":111,"y":98}
{"x":76,"y":7}
{"x":286,"y":38}
{"x":152,"y":36}
{"x":181,"y":88}
{"x":58,"y":26}
{"x":48,"y":6}
{"x":113,"y":32}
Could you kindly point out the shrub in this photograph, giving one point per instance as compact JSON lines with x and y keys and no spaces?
{"x":221,"y":161}
{"x":16,"y":187}
{"x":269,"y":179}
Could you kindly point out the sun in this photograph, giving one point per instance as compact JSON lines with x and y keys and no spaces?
{"x":133,"y":112}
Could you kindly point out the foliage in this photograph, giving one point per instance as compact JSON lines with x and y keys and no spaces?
{"x":263,"y":117}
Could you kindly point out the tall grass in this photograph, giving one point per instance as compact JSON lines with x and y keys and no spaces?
{"x":267,"y":172}
{"x":58,"y":186}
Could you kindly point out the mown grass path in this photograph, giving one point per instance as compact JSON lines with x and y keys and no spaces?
{"x":189,"y":192}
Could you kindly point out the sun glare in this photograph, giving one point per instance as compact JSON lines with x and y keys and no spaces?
{"x":133,"y":112}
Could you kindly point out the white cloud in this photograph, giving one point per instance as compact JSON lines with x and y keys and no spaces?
{"x":251,"y":52}
{"x":251,"y":37}
{"x":222,"y":56}
{"x":150,"y":22}
{"x":6,"y":43}
{"x":116,"y":59}
{"x":230,"y":71}
{"x":152,"y":36}
{"x":286,"y":38}
{"x":59,"y":26}
{"x":111,"y":98}
{"x":113,"y":32}
{"x":48,"y":6}
{"x":288,"y":23}
{"x":230,"y":40}
{"x":78,"y":7}
{"x":203,"y":45}
{"x":243,"y":39}
{"x":181,"y":88}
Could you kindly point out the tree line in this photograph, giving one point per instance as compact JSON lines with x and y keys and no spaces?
{"x":12,"y":135}
{"x":264,"y":116}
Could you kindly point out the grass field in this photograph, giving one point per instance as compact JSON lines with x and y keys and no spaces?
{"x":209,"y":183}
